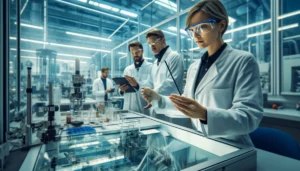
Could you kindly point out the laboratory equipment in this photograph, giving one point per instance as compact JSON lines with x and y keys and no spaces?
{"x":295,"y":79}
{"x":77,"y":97}
{"x":140,"y":142}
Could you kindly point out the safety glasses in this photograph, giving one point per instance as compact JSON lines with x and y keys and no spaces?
{"x":201,"y":28}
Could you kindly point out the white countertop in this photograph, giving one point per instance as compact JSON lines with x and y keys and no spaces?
{"x":288,"y":114}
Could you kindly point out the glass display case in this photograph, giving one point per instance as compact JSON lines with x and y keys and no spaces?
{"x":139,"y":142}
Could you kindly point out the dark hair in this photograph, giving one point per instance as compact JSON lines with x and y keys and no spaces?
{"x":104,"y":69}
{"x":155,"y":32}
{"x":135,"y":43}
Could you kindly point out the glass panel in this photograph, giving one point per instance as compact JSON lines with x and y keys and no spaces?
{"x":290,"y":45}
{"x":156,"y":12}
{"x":121,"y":60}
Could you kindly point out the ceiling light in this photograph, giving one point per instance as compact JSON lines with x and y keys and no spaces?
{"x":122,"y":53}
{"x":31,"y":26}
{"x":269,"y":31}
{"x":131,"y":14}
{"x":87,"y":36}
{"x":78,"y":47}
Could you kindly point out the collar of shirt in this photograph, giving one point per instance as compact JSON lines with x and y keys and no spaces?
{"x":137,"y":66}
{"x":205,"y":59}
{"x":161,"y":54}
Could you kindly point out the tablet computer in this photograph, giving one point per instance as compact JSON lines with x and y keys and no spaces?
{"x":122,"y":81}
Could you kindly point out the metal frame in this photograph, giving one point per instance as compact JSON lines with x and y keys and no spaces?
{"x":4,"y":61}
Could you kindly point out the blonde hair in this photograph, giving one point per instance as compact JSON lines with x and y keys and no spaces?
{"x":213,"y":8}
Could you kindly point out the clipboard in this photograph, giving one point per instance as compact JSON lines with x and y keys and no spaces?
{"x":122,"y":81}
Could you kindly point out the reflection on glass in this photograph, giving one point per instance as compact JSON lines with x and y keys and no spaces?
{"x":290,"y":46}
{"x":131,"y":150}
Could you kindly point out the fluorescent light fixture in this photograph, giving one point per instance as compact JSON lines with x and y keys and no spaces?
{"x":59,"y":54}
{"x":104,"y":160}
{"x":29,"y":40}
{"x":248,"y":26}
{"x":70,"y":55}
{"x":292,"y":37}
{"x":122,"y":53}
{"x":167,"y":4}
{"x":131,"y":14}
{"x":83,"y":1}
{"x":269,"y":31}
{"x":262,"y":22}
{"x":31,"y":26}
{"x":289,"y":14}
{"x":87,"y":36}
{"x":231,"y":20}
{"x":197,"y":48}
{"x":78,"y":47}
{"x":104,"y":6}
{"x":61,"y":60}
{"x":115,"y":9}
{"x":175,"y":29}
{"x":84,"y":144}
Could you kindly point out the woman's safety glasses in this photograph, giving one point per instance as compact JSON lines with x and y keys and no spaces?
{"x":201,"y":28}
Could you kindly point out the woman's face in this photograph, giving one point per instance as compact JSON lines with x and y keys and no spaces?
{"x":205,"y":39}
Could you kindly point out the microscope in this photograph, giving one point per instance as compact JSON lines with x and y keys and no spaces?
{"x":77,"y":97}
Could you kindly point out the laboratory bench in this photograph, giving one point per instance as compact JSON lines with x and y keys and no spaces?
{"x":108,"y":147}
{"x":133,"y":141}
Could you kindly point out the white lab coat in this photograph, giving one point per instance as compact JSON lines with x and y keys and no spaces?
{"x":231,"y":92}
{"x":134,"y":101}
{"x":99,"y":91}
{"x":161,"y":78}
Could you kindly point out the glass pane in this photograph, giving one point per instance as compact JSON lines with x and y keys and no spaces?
{"x":290,"y":45}
{"x":121,"y":60}
{"x":156,"y":12}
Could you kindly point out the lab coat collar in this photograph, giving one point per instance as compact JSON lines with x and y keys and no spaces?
{"x":212,"y":73}
{"x":166,"y":54}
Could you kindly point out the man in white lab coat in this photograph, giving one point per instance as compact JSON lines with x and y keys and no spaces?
{"x":137,"y":75}
{"x":165,"y":57}
{"x":161,"y":77}
{"x":102,"y":86}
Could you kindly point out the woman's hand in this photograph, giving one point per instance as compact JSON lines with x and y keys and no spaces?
{"x":149,"y":95}
{"x":189,"y":107}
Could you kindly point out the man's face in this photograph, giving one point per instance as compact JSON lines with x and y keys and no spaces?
{"x":105,"y":74}
{"x":136,"y":53}
{"x":156,"y":44}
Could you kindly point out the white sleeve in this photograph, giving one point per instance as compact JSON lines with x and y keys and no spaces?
{"x":96,"y":89}
{"x":246,"y":112}
{"x":177,"y":69}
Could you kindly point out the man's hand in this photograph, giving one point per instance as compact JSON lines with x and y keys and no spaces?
{"x":149,"y":95}
{"x":189,"y":107}
{"x":108,"y":90}
{"x":123,"y":88}
{"x":132,"y":81}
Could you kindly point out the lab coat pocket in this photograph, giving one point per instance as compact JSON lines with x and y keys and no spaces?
{"x":222,"y":97}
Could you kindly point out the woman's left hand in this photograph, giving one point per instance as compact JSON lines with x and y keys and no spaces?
{"x":189,"y":107}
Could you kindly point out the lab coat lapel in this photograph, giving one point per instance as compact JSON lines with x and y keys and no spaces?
{"x":212,"y":73}
{"x":193,"y":76}
{"x":162,"y":61}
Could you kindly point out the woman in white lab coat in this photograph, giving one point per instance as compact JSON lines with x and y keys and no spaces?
{"x":222,"y":94}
